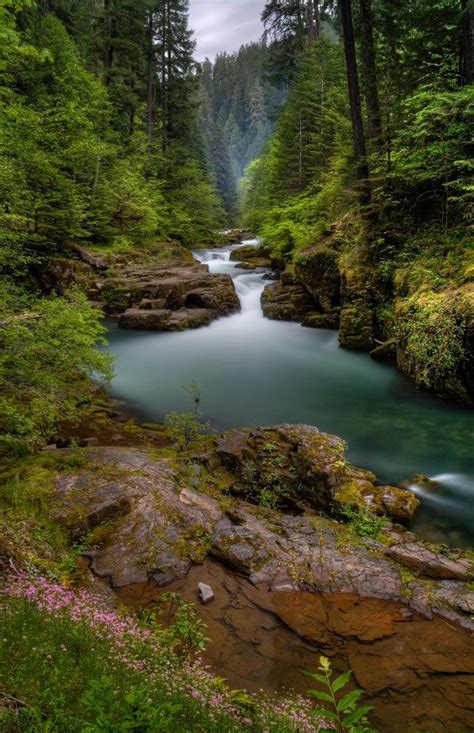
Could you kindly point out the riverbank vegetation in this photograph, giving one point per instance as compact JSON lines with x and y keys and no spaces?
{"x":372,"y":160}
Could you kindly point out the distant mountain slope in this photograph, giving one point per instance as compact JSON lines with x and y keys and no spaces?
{"x":238,"y":106}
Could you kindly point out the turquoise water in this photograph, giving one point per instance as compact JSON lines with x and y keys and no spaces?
{"x":256,"y":372}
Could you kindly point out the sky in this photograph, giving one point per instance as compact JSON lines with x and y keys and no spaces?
{"x":223,"y":25}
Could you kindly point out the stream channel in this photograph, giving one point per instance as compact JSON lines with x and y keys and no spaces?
{"x":255,"y":372}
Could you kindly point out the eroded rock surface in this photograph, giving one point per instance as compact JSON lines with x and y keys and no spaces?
{"x":152,"y":519}
{"x":417,"y":673}
{"x":164,"y":298}
{"x":300,"y":467}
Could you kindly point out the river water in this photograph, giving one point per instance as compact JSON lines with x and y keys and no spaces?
{"x":255,"y":372}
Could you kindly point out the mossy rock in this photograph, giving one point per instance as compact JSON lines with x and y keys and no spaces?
{"x":356,"y":330}
{"x":318,"y":269}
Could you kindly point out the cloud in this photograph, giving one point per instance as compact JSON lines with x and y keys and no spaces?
{"x":224,"y":25}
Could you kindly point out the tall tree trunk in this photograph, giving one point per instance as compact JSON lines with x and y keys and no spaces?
{"x":369,"y":71}
{"x":358,"y":135}
{"x":150,"y":95}
{"x":108,"y":45}
{"x":467,"y":42}
{"x":313,"y":20}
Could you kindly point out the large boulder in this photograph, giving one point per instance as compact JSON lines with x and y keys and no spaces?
{"x":318,"y":269}
{"x":168,"y":297}
{"x":248,"y":253}
{"x":287,"y":302}
{"x":296,"y":466}
{"x":400,"y":504}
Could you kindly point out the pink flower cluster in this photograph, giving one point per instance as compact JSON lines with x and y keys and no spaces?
{"x":140,"y":650}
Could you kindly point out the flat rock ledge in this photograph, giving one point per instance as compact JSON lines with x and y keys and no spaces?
{"x":166,"y":296}
{"x":153,"y":519}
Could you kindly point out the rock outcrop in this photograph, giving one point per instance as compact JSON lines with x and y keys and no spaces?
{"x":300,"y":467}
{"x":317,"y":268}
{"x":151,"y":519}
{"x":167,"y":296}
{"x":286,"y":302}
{"x":251,"y":256}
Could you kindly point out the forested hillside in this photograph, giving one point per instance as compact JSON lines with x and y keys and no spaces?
{"x":98,"y":107}
{"x":99,"y":145}
{"x":239,"y":103}
{"x":366,"y":185}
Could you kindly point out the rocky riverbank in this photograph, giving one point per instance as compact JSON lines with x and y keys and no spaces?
{"x":426,"y":331}
{"x":153,"y":518}
{"x":162,"y":288}
{"x":269,"y":519}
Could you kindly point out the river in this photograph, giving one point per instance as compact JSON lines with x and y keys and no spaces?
{"x":254,"y":372}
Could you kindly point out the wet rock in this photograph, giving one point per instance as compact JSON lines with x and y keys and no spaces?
{"x":430,"y":564}
{"x":206,"y":594}
{"x":317,"y":269}
{"x":168,"y":297}
{"x":287,"y":302}
{"x":235,"y":236}
{"x":322,"y":320}
{"x":246,"y":266}
{"x":249,"y":253}
{"x":422,"y":481}
{"x":400,"y":504}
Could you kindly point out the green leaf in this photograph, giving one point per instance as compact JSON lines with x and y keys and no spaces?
{"x":319,"y":677}
{"x":356,"y":715}
{"x":349,"y":700}
{"x":319,"y":695}
{"x":326,"y":714}
{"x":341,"y":681}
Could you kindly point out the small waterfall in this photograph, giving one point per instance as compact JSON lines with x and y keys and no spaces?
{"x":249,"y":285}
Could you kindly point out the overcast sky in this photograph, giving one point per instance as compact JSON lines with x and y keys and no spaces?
{"x":223,"y":25}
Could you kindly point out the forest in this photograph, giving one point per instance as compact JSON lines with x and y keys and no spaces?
{"x":212,"y":268}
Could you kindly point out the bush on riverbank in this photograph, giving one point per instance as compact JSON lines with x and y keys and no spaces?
{"x":48,"y":355}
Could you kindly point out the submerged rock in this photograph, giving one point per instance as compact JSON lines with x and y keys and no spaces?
{"x":206,"y":594}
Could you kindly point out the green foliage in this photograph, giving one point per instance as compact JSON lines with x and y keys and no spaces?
{"x":185,"y":632}
{"x":362,"y":522}
{"x":237,"y":110}
{"x":188,"y":426}
{"x":262,"y":483}
{"x":432,"y":331}
{"x":293,"y":192}
{"x":342,"y":710}
{"x":76,"y":163}
{"x":432,"y":158}
{"x":47,"y":359}
{"x":131,"y":712}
